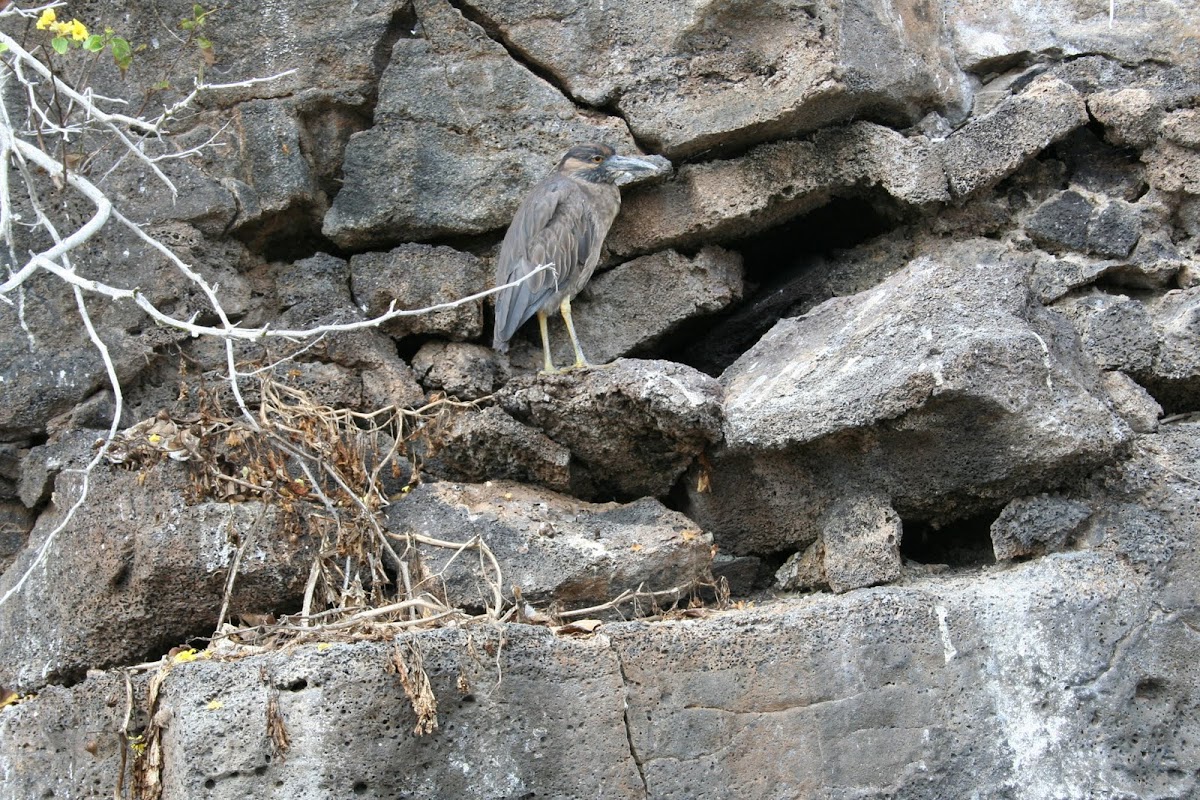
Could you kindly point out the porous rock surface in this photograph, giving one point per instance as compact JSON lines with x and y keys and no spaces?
{"x":632,"y":427}
{"x":945,"y":388}
{"x":1061,"y":651}
{"x":904,"y":349}
{"x":472,"y":128}
{"x":151,"y":571}
{"x":693,"y":77}
{"x":550,"y":548}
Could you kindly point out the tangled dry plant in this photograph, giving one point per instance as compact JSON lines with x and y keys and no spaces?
{"x":331,"y":472}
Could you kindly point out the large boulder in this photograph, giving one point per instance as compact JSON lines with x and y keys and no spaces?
{"x":774,"y":182}
{"x":946,"y":389}
{"x":969,"y":684}
{"x":691,"y":77}
{"x":136,"y":570}
{"x":986,"y":35}
{"x":461,"y":131}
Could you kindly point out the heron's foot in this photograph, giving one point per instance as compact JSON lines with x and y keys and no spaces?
{"x":580,"y":363}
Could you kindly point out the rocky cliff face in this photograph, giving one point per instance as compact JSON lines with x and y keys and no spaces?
{"x":900,"y":415}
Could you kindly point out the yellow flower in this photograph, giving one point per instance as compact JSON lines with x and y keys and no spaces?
{"x":46,"y":19}
{"x":76,"y":30}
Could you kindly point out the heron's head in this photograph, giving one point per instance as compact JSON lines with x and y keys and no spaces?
{"x":599,"y":163}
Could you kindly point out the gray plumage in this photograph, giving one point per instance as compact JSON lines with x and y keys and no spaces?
{"x":562,"y":221}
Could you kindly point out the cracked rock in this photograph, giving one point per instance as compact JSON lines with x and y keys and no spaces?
{"x":417,"y":276}
{"x":149,"y":569}
{"x":1036,"y":525}
{"x":555,"y":549}
{"x":486,"y":445}
{"x":461,"y":132}
{"x":1072,"y":221}
{"x":632,"y":426}
{"x":688,"y":77}
{"x":944,"y":389}
{"x":985,"y":34}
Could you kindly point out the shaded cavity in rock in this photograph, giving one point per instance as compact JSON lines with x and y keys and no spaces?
{"x":964,"y":543}
{"x":776,"y":262}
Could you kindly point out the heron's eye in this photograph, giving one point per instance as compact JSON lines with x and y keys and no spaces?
{"x":597,"y":159}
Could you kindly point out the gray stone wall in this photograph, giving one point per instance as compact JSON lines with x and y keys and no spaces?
{"x":905,"y":353}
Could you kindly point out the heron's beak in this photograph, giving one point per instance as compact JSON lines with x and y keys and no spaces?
{"x":633,"y":167}
{"x":636,"y":170}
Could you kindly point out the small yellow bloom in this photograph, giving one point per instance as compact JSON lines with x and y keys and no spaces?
{"x":76,"y":30}
{"x":46,"y":19}
{"x":185,"y":655}
{"x":323,"y":646}
{"x":214,"y":704}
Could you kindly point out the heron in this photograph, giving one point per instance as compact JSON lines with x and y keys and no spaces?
{"x":562,"y":222}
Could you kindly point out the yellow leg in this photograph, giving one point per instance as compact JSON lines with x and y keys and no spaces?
{"x":549,"y":368}
{"x":580,"y":361}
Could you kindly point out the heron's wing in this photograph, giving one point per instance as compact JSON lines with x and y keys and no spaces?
{"x":550,"y":227}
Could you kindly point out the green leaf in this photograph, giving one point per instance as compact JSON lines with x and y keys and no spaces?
{"x":59,"y":43}
{"x":162,"y":85}
{"x":198,"y":10}
{"x":122,"y":53}
{"x":94,"y":43}
{"x":205,"y":44}
{"x":3,"y":47}
{"x":187,"y":24}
